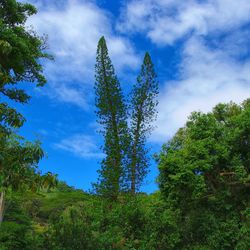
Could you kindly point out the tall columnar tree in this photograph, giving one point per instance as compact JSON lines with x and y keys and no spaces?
{"x":143,"y":106}
{"x":112,"y":115}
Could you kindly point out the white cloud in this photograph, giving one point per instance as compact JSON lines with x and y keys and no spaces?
{"x":208,"y":77}
{"x":74,"y":29}
{"x":211,"y":69}
{"x":80,"y":145}
{"x":165,"y":21}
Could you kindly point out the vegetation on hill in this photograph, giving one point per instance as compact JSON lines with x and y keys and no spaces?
{"x":203,"y":201}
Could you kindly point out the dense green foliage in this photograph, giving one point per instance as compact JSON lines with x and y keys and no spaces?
{"x":71,"y":219}
{"x":20,"y":53}
{"x":16,"y":231}
{"x":203,"y":202}
{"x":20,"y":50}
{"x":204,"y":178}
{"x":19,"y":164}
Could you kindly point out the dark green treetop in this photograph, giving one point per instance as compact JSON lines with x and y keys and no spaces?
{"x":205,"y":176}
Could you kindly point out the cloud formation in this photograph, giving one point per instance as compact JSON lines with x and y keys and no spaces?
{"x":74,"y":28}
{"x":214,"y":63}
{"x":208,"y":77}
{"x":80,"y":145}
{"x":165,"y":21}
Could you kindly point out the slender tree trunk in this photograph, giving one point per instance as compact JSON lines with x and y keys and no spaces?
{"x":2,"y":205}
{"x":133,"y":167}
{"x":134,"y":152}
{"x":133,"y":173}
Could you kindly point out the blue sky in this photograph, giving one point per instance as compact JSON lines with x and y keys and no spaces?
{"x":201,"y":52}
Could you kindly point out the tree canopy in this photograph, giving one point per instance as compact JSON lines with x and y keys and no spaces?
{"x":205,"y":176}
{"x":21,"y":51}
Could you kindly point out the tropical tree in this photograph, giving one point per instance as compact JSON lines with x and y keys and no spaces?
{"x":143,"y":106}
{"x":21,"y":51}
{"x":19,"y":168}
{"x":205,"y":175}
{"x":112,"y":115}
